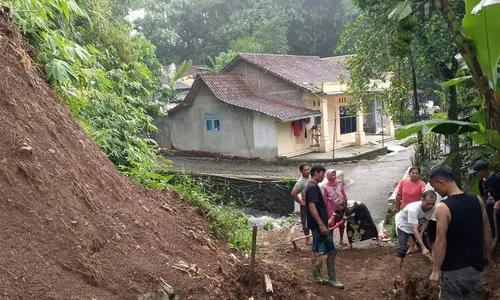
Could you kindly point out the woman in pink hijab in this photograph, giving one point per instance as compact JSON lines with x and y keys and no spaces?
{"x":333,"y":190}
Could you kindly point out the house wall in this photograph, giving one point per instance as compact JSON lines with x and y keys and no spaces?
{"x":333,"y":115}
{"x":288,"y":143}
{"x":268,"y":84}
{"x":185,"y":129}
{"x":265,"y":133}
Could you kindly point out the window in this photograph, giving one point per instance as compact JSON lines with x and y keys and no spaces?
{"x":317,"y":120}
{"x":347,"y":120}
{"x":212,"y":122}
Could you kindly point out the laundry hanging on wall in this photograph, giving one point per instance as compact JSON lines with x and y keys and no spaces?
{"x":297,"y":128}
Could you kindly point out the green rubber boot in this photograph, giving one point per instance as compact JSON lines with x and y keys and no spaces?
{"x":332,"y":281}
{"x":317,"y":271}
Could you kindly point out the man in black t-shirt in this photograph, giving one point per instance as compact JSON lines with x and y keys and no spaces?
{"x":463,"y":238}
{"x":317,"y":221}
{"x":489,"y":188}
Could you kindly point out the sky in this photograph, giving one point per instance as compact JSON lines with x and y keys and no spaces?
{"x":135,"y":14}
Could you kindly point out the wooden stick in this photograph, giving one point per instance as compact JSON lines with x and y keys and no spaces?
{"x":298,"y":239}
{"x":252,"y":262}
{"x":268,"y":283}
{"x":495,"y":240}
{"x":304,"y":237}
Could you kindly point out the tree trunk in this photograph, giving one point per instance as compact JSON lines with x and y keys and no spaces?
{"x":416,"y":112}
{"x":456,"y":164}
{"x":494,"y":114}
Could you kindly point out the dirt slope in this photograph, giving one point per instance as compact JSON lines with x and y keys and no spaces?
{"x":71,"y":226}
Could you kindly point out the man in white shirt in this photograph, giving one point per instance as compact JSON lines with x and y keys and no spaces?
{"x":413,"y":216}
{"x":431,"y":228}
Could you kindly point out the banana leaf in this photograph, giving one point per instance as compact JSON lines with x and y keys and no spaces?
{"x":446,"y":127}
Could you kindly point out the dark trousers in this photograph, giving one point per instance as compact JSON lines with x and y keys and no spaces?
{"x":403,"y":243}
{"x":490,"y":211}
{"x":431,"y":232}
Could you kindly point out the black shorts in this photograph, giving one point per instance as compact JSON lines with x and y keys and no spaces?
{"x":431,"y":231}
{"x":303,"y":217}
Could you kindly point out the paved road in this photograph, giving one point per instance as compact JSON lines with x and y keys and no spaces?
{"x":370,"y":181}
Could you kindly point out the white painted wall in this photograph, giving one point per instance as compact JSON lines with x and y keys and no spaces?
{"x":185,"y":129}
{"x":264,"y":132}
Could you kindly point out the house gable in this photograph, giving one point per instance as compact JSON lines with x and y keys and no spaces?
{"x":269,"y":84}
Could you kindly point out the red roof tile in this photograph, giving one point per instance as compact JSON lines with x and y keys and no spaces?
{"x":302,"y":71}
{"x":233,"y":89}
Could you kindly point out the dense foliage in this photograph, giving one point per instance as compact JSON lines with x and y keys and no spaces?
{"x":480,"y":59}
{"x":109,"y":78}
{"x":278,"y":26}
{"x":106,"y":75}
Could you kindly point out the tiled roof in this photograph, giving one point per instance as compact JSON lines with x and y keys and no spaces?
{"x":233,"y":89}
{"x":302,"y":71}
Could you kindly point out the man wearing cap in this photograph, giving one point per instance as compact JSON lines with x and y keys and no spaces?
{"x":489,"y":188}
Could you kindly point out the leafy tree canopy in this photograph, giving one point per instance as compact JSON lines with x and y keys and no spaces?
{"x":197,"y":29}
{"x":107,"y":75}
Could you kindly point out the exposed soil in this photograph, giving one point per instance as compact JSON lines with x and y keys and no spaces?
{"x":72,"y":227}
{"x":367,"y":271}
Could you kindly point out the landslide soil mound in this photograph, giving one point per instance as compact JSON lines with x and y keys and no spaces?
{"x":72,"y":227}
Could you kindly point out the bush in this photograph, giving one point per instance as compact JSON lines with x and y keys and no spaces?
{"x":410,"y":141}
{"x":225,"y":221}
{"x":390,"y":224}
{"x":268,"y":225}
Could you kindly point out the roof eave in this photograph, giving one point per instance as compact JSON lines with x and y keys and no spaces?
{"x":317,"y":114}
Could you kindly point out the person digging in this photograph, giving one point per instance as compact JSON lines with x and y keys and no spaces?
{"x":317,"y":221}
{"x":412,"y":222}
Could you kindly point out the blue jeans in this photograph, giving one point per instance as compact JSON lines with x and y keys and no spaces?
{"x":323,"y":244}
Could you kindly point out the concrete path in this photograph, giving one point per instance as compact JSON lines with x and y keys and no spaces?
{"x":373,"y":183}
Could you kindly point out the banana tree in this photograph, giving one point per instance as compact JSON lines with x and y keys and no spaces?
{"x":479,"y":47}
{"x":173,"y":75}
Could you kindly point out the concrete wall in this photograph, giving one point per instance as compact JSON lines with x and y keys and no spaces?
{"x":265,"y":133}
{"x":185,"y":129}
{"x":288,"y":143}
{"x":268,"y":84}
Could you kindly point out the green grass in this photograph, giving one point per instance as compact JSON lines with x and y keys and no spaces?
{"x":390,"y":224}
{"x":226,"y":222}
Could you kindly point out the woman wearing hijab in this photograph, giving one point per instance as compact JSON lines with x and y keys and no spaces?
{"x":333,"y":189}
{"x":360,"y":225}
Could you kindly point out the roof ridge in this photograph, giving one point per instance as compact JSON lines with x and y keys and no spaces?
{"x":274,"y":54}
{"x":338,"y":56}
{"x":219,"y":74}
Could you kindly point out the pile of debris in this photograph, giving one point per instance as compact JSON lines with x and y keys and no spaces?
{"x":72,"y":226}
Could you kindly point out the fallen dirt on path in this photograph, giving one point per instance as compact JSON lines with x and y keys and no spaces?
{"x":367,"y":271}
{"x":72,"y":227}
